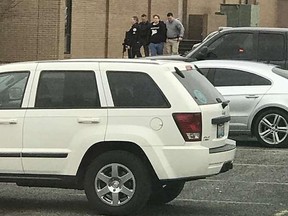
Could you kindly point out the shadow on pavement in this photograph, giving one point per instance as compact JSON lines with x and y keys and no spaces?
{"x":12,"y":206}
{"x":246,"y":141}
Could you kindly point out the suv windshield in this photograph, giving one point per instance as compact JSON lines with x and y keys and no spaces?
{"x":199,"y":87}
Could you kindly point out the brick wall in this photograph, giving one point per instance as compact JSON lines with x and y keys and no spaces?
{"x":37,"y":30}
{"x":205,"y":7}
{"x":268,"y":13}
{"x":282,"y":15}
{"x":162,"y":7}
{"x":88,"y":28}
{"x":120,"y":21}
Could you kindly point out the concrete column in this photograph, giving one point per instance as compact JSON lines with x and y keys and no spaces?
{"x":180,"y":10}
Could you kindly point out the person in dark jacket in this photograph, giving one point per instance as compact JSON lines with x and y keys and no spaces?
{"x":158,"y":36}
{"x":144,"y":33}
{"x":131,"y":40}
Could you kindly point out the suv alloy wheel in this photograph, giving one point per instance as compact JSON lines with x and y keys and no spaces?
{"x":117,"y":183}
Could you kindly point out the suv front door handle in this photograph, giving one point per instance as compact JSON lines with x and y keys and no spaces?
{"x":8,"y":121}
{"x":88,"y":120}
{"x":252,"y":96}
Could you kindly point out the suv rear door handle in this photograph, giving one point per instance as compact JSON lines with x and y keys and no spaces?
{"x":8,"y":121}
{"x":252,"y":96}
{"x":88,"y":120}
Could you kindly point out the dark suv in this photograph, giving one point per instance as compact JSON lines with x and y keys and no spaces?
{"x":268,"y":45}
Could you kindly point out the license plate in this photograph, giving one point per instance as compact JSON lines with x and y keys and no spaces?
{"x":220,"y":130}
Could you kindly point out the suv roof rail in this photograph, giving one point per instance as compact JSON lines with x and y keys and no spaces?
{"x":223,"y":28}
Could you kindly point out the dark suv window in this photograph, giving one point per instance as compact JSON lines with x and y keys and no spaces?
{"x":230,"y":77}
{"x":67,"y":89}
{"x":232,"y":46}
{"x":271,"y":47}
{"x":133,"y":89}
{"x":12,"y":88}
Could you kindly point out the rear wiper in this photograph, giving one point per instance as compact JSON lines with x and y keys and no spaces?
{"x":179,"y":72}
{"x":223,"y":103}
{"x":198,"y":70}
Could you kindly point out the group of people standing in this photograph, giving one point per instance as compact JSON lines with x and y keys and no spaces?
{"x":153,"y":37}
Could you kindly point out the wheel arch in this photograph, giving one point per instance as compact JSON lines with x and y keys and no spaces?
{"x":99,"y":148}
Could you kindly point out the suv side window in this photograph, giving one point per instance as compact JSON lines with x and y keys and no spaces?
{"x":12,"y":88}
{"x":135,"y":89}
{"x":271,"y":47}
{"x":230,"y":77}
{"x":232,"y":46}
{"x":67,"y":89}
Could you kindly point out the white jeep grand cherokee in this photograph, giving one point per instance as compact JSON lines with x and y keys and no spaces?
{"x":128,"y":132}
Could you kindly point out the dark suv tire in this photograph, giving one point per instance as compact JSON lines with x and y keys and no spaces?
{"x":117,"y":183}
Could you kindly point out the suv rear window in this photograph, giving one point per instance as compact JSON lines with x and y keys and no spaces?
{"x":199,"y":87}
{"x":271,"y":47}
{"x":135,"y":89}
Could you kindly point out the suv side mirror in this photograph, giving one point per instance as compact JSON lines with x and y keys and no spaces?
{"x":202,"y":54}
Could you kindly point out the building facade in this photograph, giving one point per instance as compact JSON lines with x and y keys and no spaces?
{"x":59,"y":29}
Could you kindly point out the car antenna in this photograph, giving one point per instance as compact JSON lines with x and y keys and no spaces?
{"x":179,"y":72}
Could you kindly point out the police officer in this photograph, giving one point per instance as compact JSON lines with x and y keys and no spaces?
{"x":132,"y":39}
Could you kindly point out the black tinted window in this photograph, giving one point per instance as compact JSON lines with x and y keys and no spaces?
{"x":12,"y":88}
{"x":67,"y":89}
{"x":271,"y":47}
{"x":130,"y":89}
{"x":232,"y":46}
{"x":230,"y":77}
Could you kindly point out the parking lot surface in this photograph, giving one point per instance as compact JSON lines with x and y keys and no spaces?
{"x":258,"y":185}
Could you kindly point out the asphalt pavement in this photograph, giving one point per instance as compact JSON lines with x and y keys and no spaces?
{"x":257,"y":186}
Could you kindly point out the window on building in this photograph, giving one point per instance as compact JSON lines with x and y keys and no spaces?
{"x":68,"y":22}
{"x":230,"y":77}
{"x":131,"y":89}
{"x":12,"y":88}
{"x":67,"y":89}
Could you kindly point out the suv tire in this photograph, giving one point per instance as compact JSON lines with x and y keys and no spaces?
{"x":269,"y":126}
{"x":166,"y":193}
{"x":117,"y":183}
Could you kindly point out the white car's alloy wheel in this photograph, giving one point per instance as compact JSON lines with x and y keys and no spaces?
{"x":272,"y":128}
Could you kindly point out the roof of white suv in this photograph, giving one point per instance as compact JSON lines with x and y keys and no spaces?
{"x":28,"y":64}
{"x":139,"y":61}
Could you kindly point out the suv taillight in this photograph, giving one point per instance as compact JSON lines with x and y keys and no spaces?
{"x":190,"y":125}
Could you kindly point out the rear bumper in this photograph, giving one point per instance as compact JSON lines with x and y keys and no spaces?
{"x":228,"y":147}
{"x":221,"y":159}
{"x":192,"y":162}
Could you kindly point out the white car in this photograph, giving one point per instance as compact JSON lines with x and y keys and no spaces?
{"x":125,"y":131}
{"x":258,"y":95}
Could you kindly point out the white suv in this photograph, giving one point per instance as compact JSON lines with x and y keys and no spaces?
{"x":125,"y":131}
